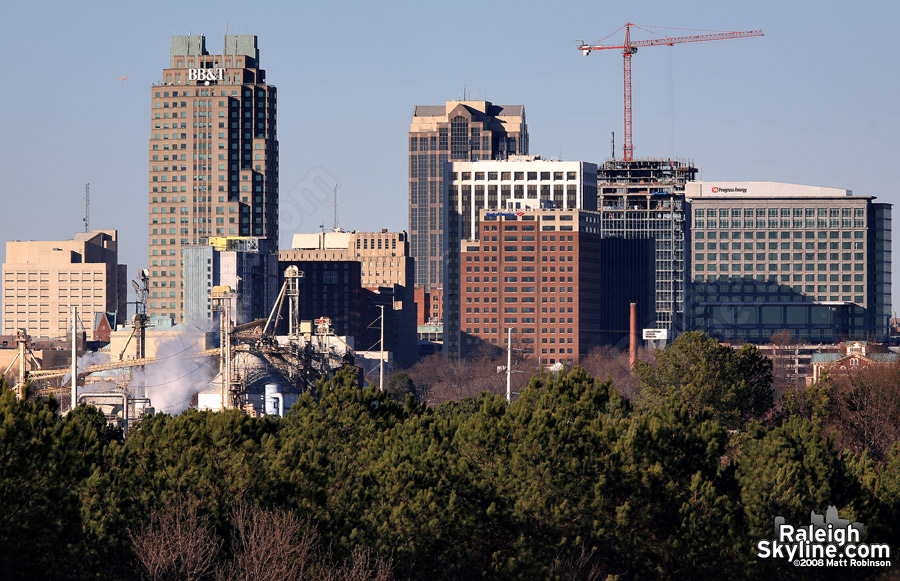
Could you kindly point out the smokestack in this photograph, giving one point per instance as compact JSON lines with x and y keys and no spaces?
{"x":632,"y":349}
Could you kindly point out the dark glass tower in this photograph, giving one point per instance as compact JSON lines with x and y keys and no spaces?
{"x":456,"y":131}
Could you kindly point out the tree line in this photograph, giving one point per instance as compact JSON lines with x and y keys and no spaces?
{"x":569,"y":481}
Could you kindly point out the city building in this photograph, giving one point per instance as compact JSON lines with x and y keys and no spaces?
{"x":386,"y":276}
{"x":328,"y":288}
{"x":851,"y":358}
{"x":431,"y":339}
{"x":767,"y":257}
{"x":644,"y":199}
{"x":544,"y":274}
{"x":384,"y":256}
{"x":43,"y":280}
{"x":455,"y":131}
{"x":514,"y":185}
{"x":162,"y":339}
{"x":247,"y":265}
{"x":429,"y":306}
{"x":213,"y":158}
{"x":429,"y":320}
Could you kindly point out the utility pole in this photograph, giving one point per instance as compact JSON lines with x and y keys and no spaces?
{"x":335,"y":208}
{"x":509,"y":365}
{"x":22,"y":341}
{"x":74,"y":359}
{"x":381,"y":366}
{"x":87,"y":207}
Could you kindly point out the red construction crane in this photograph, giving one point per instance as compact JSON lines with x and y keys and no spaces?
{"x":630,"y":47}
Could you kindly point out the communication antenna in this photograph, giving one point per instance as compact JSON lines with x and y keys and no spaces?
{"x":614,"y":145}
{"x":335,"y":208}
{"x":87,"y":207}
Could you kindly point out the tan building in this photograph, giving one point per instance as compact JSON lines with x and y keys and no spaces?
{"x":164,"y":341}
{"x":384,"y":256}
{"x":213,"y":158}
{"x":43,"y":280}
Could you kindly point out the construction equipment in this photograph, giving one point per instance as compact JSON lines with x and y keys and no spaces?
{"x":629,"y":48}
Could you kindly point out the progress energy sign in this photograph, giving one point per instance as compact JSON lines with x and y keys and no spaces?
{"x":718,"y":190}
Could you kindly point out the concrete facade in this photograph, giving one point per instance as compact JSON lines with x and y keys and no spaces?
{"x":542,"y":274}
{"x":384,"y":256}
{"x":43,"y":280}
{"x":213,"y":158}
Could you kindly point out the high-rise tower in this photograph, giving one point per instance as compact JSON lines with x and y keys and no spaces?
{"x":456,"y":131}
{"x":644,"y":198}
{"x":213,"y":157}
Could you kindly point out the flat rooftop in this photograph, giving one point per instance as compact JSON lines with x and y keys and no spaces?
{"x":703,"y":189}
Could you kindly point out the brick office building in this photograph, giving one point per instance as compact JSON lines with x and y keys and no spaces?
{"x":541,"y":273}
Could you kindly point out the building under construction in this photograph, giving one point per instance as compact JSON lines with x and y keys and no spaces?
{"x":644,"y":199}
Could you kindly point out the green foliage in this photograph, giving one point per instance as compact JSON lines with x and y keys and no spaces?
{"x":400,"y":386}
{"x":789,"y":471}
{"x":567,"y":482}
{"x":734,"y":386}
{"x":812,"y":402}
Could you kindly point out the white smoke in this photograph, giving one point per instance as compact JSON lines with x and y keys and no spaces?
{"x":85,"y":361}
{"x":178,"y":374}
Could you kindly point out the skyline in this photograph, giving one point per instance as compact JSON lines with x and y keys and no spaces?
{"x":799,"y":105}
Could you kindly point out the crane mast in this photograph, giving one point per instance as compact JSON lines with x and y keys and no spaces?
{"x":629,"y":48}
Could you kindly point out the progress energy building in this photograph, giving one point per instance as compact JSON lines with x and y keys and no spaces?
{"x":769,"y":256}
{"x":213,"y":158}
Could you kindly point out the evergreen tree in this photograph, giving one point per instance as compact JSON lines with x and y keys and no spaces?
{"x":734,"y":386}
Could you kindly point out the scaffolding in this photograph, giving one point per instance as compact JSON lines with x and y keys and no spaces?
{"x":644,"y":199}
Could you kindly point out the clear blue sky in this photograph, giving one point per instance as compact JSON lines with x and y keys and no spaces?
{"x":815,"y":101}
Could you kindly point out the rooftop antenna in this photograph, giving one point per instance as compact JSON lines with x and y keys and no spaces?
{"x":87,"y":207}
{"x":614,"y":146}
{"x":335,"y":208}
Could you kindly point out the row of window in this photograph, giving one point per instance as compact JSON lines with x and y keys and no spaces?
{"x":779,"y":245}
{"x":779,"y":212}
{"x":520,"y":309}
{"x":767,"y":283}
{"x":772,"y":256}
{"x":523,"y":289}
{"x":763,"y":267}
{"x":516,"y":176}
{"x":515,"y":258}
{"x":45,"y":276}
{"x":776,"y":224}
{"x":783,"y":235}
